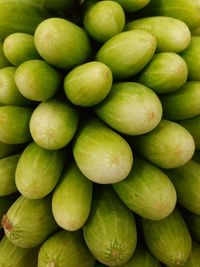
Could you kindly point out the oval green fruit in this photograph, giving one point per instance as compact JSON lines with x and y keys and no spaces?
{"x":130,"y":108}
{"x":172,"y":35}
{"x":20,"y":47}
{"x":65,"y":249}
{"x":169,"y":239}
{"x":104,"y":20}
{"x":183,"y":103}
{"x":14,"y":121}
{"x":88,"y":84}
{"x":37,"y":80}
{"x":54,"y":123}
{"x":29,"y":222}
{"x":110,"y":231}
{"x":5,"y":203}
{"x":127,"y":53}
{"x":101,"y":154}
{"x":62,"y":43}
{"x":11,"y":255}
{"x":38,"y":171}
{"x":168,"y":146}
{"x":3,"y":60}
{"x":194,"y":258}
{"x":7,"y":174}
{"x":9,"y":93}
{"x":132,"y":5}
{"x":165,"y":73}
{"x":72,"y":199}
{"x":144,"y":181}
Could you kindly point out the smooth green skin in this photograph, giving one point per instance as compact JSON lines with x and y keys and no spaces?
{"x":104,"y":19}
{"x":193,"y":223}
{"x":38,"y":171}
{"x":62,"y":43}
{"x":72,"y":199}
{"x":7,"y":174}
{"x":5,"y":203}
{"x":37,"y":80}
{"x":168,"y":146}
{"x":9,"y":93}
{"x":142,"y":258}
{"x":165,"y":73}
{"x":132,"y":5}
{"x":172,"y":35}
{"x":186,"y":180}
{"x":29,"y":222}
{"x":65,"y":249}
{"x":6,"y":149}
{"x":11,"y":255}
{"x":20,"y":47}
{"x":127,"y":53}
{"x":147,"y":191}
{"x":88,"y":84}
{"x":101,"y":154}
{"x":3,"y":60}
{"x":110,"y":231}
{"x":194,"y":258}
{"x":183,"y":103}
{"x":14,"y":121}
{"x":130,"y":108}
{"x":185,"y":10}
{"x":169,"y":239}
{"x":196,"y":156}
{"x":53,"y":124}
{"x":192,"y":58}
{"x":28,"y":15}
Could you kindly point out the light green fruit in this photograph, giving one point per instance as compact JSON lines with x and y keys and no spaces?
{"x":101,"y":154}
{"x":147,"y":191}
{"x":9,"y":93}
{"x":165,"y":73}
{"x":38,"y":171}
{"x":132,"y":5}
{"x":5,"y":203}
{"x":19,"y":47}
{"x":104,"y":20}
{"x":172,"y":35}
{"x":7,"y":174}
{"x":3,"y":60}
{"x":14,"y":121}
{"x":62,"y":43}
{"x":72,"y":199}
{"x":29,"y":222}
{"x":127,"y":53}
{"x":169,"y":145}
{"x":110,"y":231}
{"x":37,"y":80}
{"x":130,"y":108}
{"x":88,"y":84}
{"x":54,"y":123}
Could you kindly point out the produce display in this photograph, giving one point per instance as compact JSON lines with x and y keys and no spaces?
{"x":99,"y":133}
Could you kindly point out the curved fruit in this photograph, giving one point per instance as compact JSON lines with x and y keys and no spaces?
{"x":3,"y":60}
{"x":132,"y":5}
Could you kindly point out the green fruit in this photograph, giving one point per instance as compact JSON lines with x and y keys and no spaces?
{"x":130,"y":108}
{"x":37,"y":80}
{"x":5,"y":203}
{"x":168,"y":146}
{"x":132,"y":5}
{"x":6,"y":149}
{"x":186,"y":180}
{"x":62,"y":43}
{"x":101,"y":154}
{"x":165,"y":73}
{"x":168,"y":240}
{"x":38,"y":171}
{"x":7,"y":174}
{"x":65,"y":249}
{"x":3,"y":60}
{"x":53,"y":124}
{"x":104,"y":20}
{"x":9,"y":93}
{"x":147,"y":191}
{"x":14,"y":121}
{"x":172,"y":35}
{"x":110,"y":231}
{"x":72,"y":199}
{"x":183,"y":103}
{"x":29,"y":222}
{"x":127,"y":53}
{"x":11,"y":255}
{"x":194,"y":258}
{"x":88,"y":84}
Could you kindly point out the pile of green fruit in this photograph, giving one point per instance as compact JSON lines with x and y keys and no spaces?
{"x":99,"y":133}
